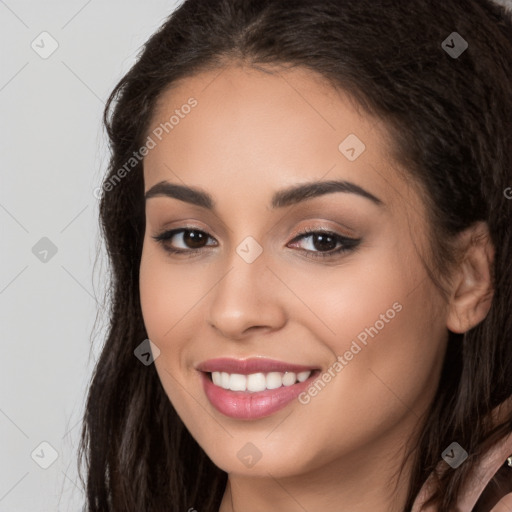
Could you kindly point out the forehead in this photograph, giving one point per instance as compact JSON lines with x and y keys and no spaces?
{"x":239,"y":125}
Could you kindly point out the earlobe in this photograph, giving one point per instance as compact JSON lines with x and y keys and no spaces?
{"x":472,"y":286}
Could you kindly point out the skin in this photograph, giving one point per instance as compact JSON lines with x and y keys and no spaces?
{"x":253,"y":133}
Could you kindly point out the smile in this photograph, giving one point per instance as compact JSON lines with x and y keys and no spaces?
{"x":253,"y":388}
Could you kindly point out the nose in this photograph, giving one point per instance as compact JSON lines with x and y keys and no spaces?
{"x":247,"y":299}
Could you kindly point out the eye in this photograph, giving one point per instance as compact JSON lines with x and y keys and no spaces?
{"x":191,"y":240}
{"x":325,"y":244}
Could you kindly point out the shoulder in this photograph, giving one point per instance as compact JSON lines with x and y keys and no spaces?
{"x":497,"y":492}
{"x":489,"y":488}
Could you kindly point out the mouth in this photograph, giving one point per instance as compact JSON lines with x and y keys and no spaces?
{"x":253,"y":388}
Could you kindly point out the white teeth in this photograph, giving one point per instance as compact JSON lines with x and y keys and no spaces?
{"x":257,"y":381}
{"x":289,"y":378}
{"x":237,"y":382}
{"x":217,"y":378}
{"x":302,"y":376}
{"x":274,"y":380}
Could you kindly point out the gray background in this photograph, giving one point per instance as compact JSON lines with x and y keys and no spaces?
{"x":53,"y":154}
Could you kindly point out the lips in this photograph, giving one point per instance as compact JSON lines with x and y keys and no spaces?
{"x":248,"y":366}
{"x":249,"y":404}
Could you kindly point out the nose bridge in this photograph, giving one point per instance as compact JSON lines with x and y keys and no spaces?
{"x":246,"y":263}
{"x":245,"y":278}
{"x":242,"y":298}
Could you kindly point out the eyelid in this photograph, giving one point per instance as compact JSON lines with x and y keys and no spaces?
{"x":320,"y":226}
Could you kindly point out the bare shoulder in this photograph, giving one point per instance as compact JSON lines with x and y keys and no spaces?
{"x":489,"y":488}
{"x":497,"y":489}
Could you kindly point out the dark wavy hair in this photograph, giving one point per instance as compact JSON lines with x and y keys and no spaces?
{"x":450,"y":120}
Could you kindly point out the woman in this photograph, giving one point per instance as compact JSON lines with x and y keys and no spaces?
{"x":307,"y":214}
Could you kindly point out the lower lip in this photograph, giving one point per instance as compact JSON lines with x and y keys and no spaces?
{"x":244,"y":405}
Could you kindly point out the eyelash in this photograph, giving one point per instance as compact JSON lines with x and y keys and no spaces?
{"x":348,"y":244}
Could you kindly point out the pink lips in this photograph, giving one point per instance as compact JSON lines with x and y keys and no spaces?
{"x":247,"y":366}
{"x":251,"y":405}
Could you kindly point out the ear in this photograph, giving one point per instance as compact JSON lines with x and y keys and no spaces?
{"x":472,"y":287}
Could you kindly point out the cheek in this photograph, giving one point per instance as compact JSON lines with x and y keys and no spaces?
{"x":167,"y":295}
{"x":387,"y":344}
{"x":342,"y":302}
{"x":168,"y":292}
{"x":391,"y":352}
{"x":155,"y":296}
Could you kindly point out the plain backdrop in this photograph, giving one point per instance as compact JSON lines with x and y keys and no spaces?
{"x":53,"y":153}
{"x":59,"y":61}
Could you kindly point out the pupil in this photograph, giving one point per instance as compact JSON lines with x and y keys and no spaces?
{"x":321,"y":242}
{"x":193,"y":239}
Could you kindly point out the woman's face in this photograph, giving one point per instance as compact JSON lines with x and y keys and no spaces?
{"x":253,"y":302}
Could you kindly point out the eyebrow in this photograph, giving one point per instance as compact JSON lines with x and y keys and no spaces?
{"x":280,"y":199}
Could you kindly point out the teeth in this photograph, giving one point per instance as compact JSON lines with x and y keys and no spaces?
{"x":237,"y":382}
{"x":274,"y":380}
{"x":289,"y":378}
{"x":217,"y":378}
{"x":302,"y":376}
{"x":257,"y":381}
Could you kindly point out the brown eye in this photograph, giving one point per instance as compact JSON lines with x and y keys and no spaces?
{"x":194,"y":239}
{"x":183,"y":240}
{"x":324,"y":244}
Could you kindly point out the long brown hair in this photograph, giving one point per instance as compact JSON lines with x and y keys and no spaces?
{"x":451,"y":123}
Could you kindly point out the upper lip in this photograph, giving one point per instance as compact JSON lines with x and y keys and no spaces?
{"x":251,"y":365}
